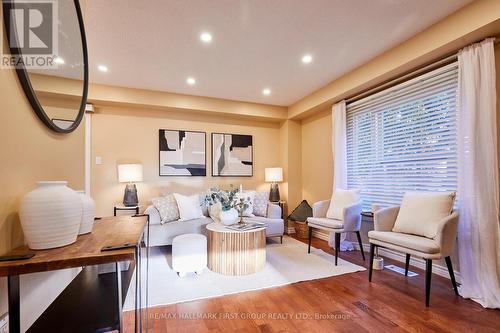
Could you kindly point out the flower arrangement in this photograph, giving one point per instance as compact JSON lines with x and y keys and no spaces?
{"x":228,"y":200}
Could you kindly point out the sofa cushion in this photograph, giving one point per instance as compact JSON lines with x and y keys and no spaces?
{"x":341,"y":199}
{"x":420,"y":213}
{"x":189,"y":207}
{"x":326,"y":222}
{"x":260,"y":204}
{"x":167,"y":206}
{"x":417,"y":243}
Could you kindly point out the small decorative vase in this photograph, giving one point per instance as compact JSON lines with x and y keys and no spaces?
{"x":228,"y":217}
{"x":88,"y":213}
{"x":50,"y":215}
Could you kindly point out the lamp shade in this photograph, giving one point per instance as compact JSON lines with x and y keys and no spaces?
{"x":274,"y":174}
{"x":128,"y":173}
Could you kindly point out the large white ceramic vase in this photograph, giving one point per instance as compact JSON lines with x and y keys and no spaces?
{"x":88,"y":213}
{"x":228,"y":217}
{"x":51,"y":215}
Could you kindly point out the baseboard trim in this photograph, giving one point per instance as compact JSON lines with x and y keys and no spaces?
{"x":398,"y":256}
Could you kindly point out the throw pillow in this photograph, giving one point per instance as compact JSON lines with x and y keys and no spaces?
{"x":260,"y":202}
{"x":341,"y":199}
{"x":214,"y":211}
{"x":203,"y":205}
{"x":250,"y":196}
{"x":189,"y":206}
{"x":420,"y":213}
{"x":167,"y":206}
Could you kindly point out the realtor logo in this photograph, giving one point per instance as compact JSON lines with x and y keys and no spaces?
{"x":32,"y":33}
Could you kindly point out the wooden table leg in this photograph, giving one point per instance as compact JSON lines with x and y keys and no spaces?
{"x":14,"y":304}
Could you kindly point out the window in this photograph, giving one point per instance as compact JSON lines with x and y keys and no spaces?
{"x":404,"y":138}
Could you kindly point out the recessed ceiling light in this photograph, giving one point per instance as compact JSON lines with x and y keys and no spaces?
{"x":206,"y":37}
{"x":307,"y":58}
{"x":266,"y":92}
{"x":191,"y":81}
{"x":59,"y":61}
{"x":102,"y":68}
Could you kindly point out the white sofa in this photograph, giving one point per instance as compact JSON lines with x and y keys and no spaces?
{"x":163,"y":234}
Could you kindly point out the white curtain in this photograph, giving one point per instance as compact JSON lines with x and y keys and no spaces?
{"x":339,"y":145}
{"x":339,"y":150}
{"x":478,"y":187}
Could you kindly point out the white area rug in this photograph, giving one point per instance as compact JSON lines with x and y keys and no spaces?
{"x":286,"y":263}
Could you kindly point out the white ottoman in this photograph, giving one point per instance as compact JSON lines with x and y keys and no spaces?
{"x":189,"y":254}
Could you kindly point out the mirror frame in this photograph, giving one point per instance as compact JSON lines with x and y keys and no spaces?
{"x":23,"y":75}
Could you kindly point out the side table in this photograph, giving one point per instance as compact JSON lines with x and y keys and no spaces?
{"x":122,"y":207}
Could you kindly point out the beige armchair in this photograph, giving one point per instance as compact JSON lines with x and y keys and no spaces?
{"x":437,"y":247}
{"x":350,"y":222}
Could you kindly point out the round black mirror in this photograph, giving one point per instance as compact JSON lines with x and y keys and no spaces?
{"x":49,"y":51}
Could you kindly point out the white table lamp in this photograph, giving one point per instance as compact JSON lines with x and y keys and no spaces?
{"x":274,"y":176}
{"x":130,"y":173}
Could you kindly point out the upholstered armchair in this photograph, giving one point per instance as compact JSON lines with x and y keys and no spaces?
{"x":427,"y":230}
{"x":337,"y":216}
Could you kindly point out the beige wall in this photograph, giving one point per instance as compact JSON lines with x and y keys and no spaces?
{"x":317,"y":159}
{"x":130,"y":135}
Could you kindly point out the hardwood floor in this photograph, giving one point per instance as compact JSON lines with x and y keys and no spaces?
{"x":346,"y":303}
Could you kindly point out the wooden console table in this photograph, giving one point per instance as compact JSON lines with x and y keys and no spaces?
{"x":236,"y":252}
{"x":86,"y":251}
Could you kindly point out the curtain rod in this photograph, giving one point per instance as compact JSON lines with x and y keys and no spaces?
{"x":448,"y":59}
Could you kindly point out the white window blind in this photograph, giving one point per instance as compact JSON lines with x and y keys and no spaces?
{"x":404,"y":138}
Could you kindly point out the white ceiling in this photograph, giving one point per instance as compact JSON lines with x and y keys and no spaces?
{"x":257,"y":44}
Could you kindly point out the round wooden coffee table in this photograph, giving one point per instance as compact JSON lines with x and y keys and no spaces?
{"x":235,"y":252}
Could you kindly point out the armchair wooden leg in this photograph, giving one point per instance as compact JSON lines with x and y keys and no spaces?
{"x":407,"y":264}
{"x":310,"y":237}
{"x":370,"y":265}
{"x":428,"y":276}
{"x":452,"y":274}
{"x":281,"y":239}
{"x":360,"y":245}
{"x":337,"y":247}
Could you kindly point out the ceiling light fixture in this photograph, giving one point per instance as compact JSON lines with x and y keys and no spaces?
{"x":102,"y":68}
{"x":59,"y":60}
{"x":266,"y":92}
{"x":307,"y":58}
{"x":191,"y":81}
{"x":206,"y":37}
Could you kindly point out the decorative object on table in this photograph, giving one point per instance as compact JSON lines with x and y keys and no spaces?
{"x":274,"y":176}
{"x":88,"y":213}
{"x":51,"y":215}
{"x":232,"y":155}
{"x":182,"y":153}
{"x":121,"y":207}
{"x":130,"y":173}
{"x":226,"y":206}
